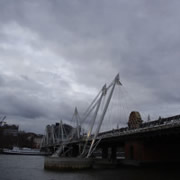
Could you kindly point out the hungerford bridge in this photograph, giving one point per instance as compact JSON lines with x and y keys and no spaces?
{"x":140,"y":142}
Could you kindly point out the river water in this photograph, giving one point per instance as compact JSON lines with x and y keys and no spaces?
{"x":20,"y":167}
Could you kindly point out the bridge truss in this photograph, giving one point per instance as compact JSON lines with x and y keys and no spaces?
{"x":95,"y":119}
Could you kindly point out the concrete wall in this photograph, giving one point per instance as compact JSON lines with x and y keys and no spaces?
{"x":152,"y":150}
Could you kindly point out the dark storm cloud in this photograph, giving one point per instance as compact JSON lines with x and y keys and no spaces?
{"x":24,"y":97}
{"x":57,"y":54}
{"x":16,"y":98}
{"x":13,"y":105}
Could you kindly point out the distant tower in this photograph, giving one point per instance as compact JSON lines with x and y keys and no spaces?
{"x":134,"y":120}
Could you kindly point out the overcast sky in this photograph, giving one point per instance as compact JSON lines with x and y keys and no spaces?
{"x":57,"y":54}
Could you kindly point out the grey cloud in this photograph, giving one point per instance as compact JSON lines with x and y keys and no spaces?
{"x":13,"y":105}
{"x":97,"y":39}
{"x":23,"y":96}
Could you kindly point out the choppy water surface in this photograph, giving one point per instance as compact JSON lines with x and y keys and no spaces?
{"x":14,"y":167}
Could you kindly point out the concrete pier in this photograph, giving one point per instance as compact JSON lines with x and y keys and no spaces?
{"x":64,"y":163}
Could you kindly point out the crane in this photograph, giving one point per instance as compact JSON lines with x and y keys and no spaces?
{"x":2,"y":118}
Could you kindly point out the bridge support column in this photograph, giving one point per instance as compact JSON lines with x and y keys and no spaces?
{"x":104,"y":152}
{"x":113,"y":153}
{"x":134,"y":150}
{"x":75,"y":151}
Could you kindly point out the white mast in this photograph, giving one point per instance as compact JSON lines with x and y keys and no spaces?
{"x":103,"y":92}
{"x":61,"y":127}
{"x":77,"y":122}
{"x":116,"y":81}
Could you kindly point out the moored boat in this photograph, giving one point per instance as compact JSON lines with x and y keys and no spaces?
{"x":23,"y":151}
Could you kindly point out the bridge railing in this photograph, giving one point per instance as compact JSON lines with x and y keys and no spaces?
{"x":163,"y":123}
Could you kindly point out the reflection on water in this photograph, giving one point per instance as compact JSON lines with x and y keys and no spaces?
{"x":14,"y":167}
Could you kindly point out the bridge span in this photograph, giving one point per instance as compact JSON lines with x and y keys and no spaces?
{"x":152,"y":142}
{"x":140,"y":142}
